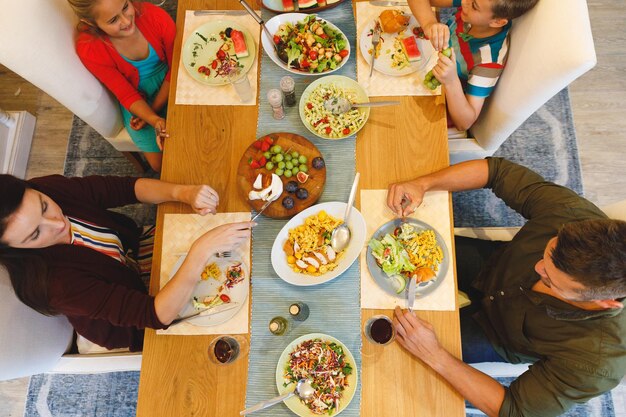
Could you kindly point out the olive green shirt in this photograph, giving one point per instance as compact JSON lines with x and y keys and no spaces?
{"x":577,"y":354}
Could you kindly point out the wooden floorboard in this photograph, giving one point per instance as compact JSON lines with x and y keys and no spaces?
{"x":598,"y":100}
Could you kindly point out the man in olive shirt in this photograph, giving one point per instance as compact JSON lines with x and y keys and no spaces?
{"x":552,"y":296}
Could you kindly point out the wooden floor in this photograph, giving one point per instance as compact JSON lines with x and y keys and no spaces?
{"x":597,"y":101}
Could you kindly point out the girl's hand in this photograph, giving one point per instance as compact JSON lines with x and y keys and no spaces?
{"x":137,"y":123}
{"x":439,"y":35}
{"x":161,"y":133}
{"x":445,"y":70}
{"x":202,"y":198}
{"x":222,"y":239}
{"x":403,"y":198}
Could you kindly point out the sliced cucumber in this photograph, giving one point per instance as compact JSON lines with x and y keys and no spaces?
{"x":398,"y":283}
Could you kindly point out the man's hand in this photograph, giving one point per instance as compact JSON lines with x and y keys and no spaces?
{"x":403,"y":198}
{"x":202,"y":198}
{"x":439,"y":35}
{"x":417,"y":336}
{"x":445,"y":70}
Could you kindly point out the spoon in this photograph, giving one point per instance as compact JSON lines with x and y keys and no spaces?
{"x":304,"y":390}
{"x":340,"y":237}
{"x":339,"y":105}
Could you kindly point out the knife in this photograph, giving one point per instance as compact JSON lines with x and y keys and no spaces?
{"x":206,"y":312}
{"x":410,"y":294}
{"x":386,"y":3}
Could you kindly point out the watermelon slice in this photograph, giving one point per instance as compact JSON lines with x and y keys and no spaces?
{"x":331,"y":1}
{"x":412,"y":52}
{"x":239,"y":41}
{"x":321,"y":3}
{"x":306,"y":4}
{"x":288,"y":5}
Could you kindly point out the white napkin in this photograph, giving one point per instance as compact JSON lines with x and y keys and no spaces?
{"x":190,"y":91}
{"x":381,"y":84}
{"x":435,"y":210}
{"x":179,"y":232}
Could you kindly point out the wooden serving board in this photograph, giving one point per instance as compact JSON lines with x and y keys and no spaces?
{"x":314,"y":185}
{"x":276,"y":6}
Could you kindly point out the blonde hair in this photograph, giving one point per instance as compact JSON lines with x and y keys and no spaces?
{"x":84,"y":10}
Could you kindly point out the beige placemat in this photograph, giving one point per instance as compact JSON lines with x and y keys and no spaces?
{"x":179,"y":232}
{"x":190,"y":91}
{"x":381,"y":84}
{"x":435,"y":210}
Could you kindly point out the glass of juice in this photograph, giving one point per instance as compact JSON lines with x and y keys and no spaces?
{"x":224,"y":350}
{"x":379,"y":330}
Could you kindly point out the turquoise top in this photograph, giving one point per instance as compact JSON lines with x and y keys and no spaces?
{"x":148,"y":66}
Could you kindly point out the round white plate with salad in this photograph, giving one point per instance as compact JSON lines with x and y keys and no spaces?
{"x":215,"y":48}
{"x":297,"y":36}
{"x":320,"y":121}
{"x":223,"y":286}
{"x":318,"y":350}
{"x":392,"y":57}
{"x":402,"y":248}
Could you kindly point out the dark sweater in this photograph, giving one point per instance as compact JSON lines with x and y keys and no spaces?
{"x":105,"y":301}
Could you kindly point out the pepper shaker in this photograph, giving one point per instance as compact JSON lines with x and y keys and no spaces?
{"x":288,"y":86}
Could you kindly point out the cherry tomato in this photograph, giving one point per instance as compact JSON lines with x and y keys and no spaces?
{"x":312,"y":55}
{"x":305,"y":63}
{"x":221,"y":55}
{"x":309,"y":106}
{"x":276,"y":39}
{"x":214,"y":64}
{"x":346,"y":131}
{"x":343,"y":53}
{"x":328,"y":130}
{"x":324,"y":36}
{"x":225,"y":298}
{"x":202,"y":69}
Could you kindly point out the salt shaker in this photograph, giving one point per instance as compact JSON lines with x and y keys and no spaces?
{"x":275,"y":98}
{"x":288,"y":86}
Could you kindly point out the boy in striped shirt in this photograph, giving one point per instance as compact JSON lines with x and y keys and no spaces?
{"x":478,"y":35}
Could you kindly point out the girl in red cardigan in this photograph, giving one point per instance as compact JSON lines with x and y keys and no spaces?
{"x":128,"y":46}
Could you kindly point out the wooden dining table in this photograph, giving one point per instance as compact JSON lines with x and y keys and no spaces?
{"x":205,"y":145}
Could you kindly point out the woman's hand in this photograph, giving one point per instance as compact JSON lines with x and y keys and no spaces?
{"x":202,"y":198}
{"x":160,"y":132}
{"x":417,"y":336}
{"x":403,"y":198}
{"x":137,"y":123}
{"x":222,"y":238}
{"x":445,"y":70}
{"x":439,"y":35}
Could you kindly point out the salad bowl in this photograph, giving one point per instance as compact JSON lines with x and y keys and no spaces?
{"x":389,"y":284}
{"x":273,"y":26}
{"x":294,"y":403}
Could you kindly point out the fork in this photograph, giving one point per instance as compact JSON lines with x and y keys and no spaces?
{"x":225,"y":254}
{"x":375,"y":42}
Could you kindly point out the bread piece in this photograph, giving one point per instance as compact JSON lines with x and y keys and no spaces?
{"x":393,"y":21}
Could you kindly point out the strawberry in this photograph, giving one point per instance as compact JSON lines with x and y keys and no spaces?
{"x":254,"y":164}
{"x":265,"y":146}
{"x":268,"y":139}
{"x":257,"y":144}
{"x":263,"y":161}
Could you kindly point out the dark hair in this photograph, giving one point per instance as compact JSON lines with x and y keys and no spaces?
{"x":593,"y":253}
{"x":510,"y":9}
{"x":27,"y":269}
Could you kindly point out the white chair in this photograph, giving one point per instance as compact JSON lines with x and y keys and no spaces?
{"x":551,"y":46}
{"x":38,"y":44}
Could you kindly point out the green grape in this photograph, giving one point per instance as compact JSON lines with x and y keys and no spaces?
{"x":279,"y":171}
{"x":303,"y":168}
{"x":269,"y":166}
{"x":288,"y":165}
{"x":288,"y":173}
{"x":447,"y":52}
{"x":295,"y":154}
{"x":279,"y":157}
{"x":288,"y":157}
{"x":295,"y":170}
{"x":267,"y":155}
{"x":302,"y":159}
{"x":281,"y":165}
{"x":276,"y":149}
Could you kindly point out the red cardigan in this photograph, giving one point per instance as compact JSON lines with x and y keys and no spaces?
{"x":103,"y":299}
{"x":101,"y":58}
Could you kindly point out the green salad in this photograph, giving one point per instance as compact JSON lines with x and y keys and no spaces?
{"x":311,"y":45}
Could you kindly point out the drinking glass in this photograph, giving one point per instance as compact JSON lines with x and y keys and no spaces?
{"x":224,"y":350}
{"x":379,"y":330}
{"x":239,"y":80}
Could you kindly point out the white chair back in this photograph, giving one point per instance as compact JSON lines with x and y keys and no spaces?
{"x":550,"y":47}
{"x":38,"y":44}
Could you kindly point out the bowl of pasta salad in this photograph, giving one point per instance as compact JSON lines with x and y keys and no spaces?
{"x":322,"y":122}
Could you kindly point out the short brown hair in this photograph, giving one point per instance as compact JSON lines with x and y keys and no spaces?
{"x":593,"y":253}
{"x":510,"y":9}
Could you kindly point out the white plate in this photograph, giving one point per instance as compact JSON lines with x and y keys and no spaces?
{"x":383,"y":62}
{"x":237,"y":294}
{"x":297,"y":406}
{"x":335,"y":209}
{"x":205,"y":52}
{"x":343,"y":83}
{"x":272,"y":26}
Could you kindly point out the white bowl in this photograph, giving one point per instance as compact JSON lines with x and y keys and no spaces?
{"x":272,"y":26}
{"x":335,"y":209}
{"x":343,"y":83}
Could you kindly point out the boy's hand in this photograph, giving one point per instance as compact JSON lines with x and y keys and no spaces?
{"x":137,"y":123}
{"x":445,"y":70}
{"x":439,"y":35}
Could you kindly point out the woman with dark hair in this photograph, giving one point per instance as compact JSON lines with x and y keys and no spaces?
{"x":66,"y":253}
